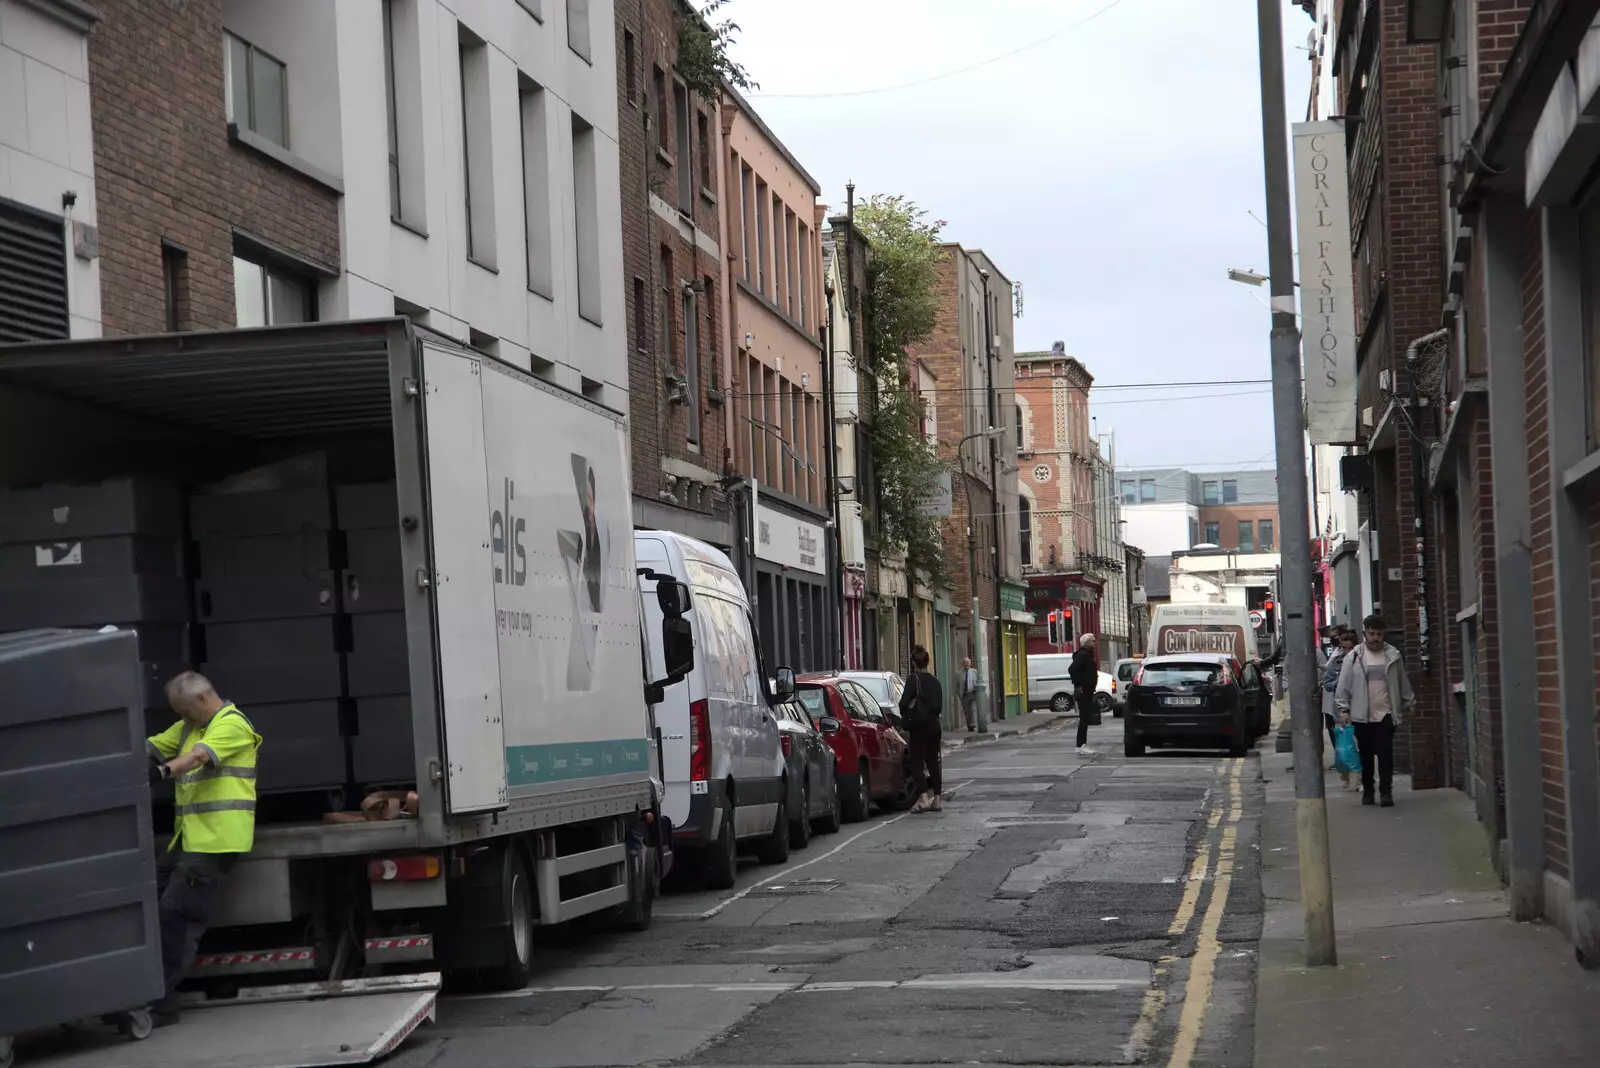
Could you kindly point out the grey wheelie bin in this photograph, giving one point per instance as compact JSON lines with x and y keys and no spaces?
{"x":78,"y":928}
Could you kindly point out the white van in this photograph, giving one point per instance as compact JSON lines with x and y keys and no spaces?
{"x":1203,"y":628}
{"x":1050,"y":687}
{"x":722,"y":760}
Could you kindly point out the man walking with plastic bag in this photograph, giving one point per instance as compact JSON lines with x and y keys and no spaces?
{"x":1373,"y":695}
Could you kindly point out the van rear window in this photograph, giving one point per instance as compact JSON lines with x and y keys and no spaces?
{"x":1179,"y":674}
{"x":1125,"y":672}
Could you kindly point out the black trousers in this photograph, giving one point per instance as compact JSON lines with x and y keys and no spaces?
{"x":1376,"y":743}
{"x":187,"y":886}
{"x":922,"y":750}
{"x":1086,"y":712}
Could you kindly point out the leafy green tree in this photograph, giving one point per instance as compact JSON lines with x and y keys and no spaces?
{"x":703,"y":60}
{"x":901,"y":308}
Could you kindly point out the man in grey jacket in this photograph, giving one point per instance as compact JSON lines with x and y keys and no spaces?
{"x":1373,"y":694}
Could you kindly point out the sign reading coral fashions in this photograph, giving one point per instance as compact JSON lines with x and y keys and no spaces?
{"x":784,"y":539}
{"x":1327,"y":294}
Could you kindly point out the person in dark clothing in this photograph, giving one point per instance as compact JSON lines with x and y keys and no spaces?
{"x":1084,"y":671}
{"x":921,"y":703}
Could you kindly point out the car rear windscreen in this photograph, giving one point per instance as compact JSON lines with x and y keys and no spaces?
{"x":814,"y":702}
{"x":1179,"y":674}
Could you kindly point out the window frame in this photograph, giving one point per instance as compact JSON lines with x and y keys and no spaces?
{"x":1265,"y":536}
{"x":251,"y":52}
{"x":1211,"y":492}
{"x":1230,"y":491}
{"x":1247,"y":533}
{"x":1144,"y":485}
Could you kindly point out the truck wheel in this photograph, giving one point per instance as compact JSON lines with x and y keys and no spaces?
{"x":857,"y":798}
{"x":642,"y":867}
{"x":514,"y":913}
{"x":721,"y":863}
{"x":774,"y":848}
{"x":800,"y":826}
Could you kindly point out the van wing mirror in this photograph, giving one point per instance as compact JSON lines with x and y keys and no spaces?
{"x":677,"y":647}
{"x":783,"y":684}
{"x":673,"y":597}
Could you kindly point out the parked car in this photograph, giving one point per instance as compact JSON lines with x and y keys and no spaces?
{"x":814,"y":801}
{"x":722,"y":761}
{"x":1257,"y":691}
{"x":1122,"y":673}
{"x":870,"y":753}
{"x":1050,"y":687}
{"x":884,"y":686}
{"x":1188,"y":698}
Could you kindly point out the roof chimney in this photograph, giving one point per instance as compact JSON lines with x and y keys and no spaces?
{"x":1058,"y":349}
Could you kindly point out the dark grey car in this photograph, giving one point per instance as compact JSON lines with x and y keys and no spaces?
{"x":813,"y":785}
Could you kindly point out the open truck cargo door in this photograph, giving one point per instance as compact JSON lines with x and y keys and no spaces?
{"x":462,"y":581}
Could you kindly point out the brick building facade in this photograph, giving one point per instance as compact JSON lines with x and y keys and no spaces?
{"x":670,"y":142}
{"x":179,"y":193}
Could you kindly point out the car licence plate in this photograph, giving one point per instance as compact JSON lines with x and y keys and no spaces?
{"x":1181,"y":702}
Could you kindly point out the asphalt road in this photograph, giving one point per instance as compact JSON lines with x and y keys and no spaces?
{"x":1061,"y":910}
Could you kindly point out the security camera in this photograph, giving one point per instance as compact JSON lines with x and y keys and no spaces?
{"x":69,"y":198}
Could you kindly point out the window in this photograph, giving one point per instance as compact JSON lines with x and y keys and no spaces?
{"x":1230,"y":491}
{"x":628,"y":62}
{"x":1130,"y":491}
{"x":536,"y":187}
{"x":1264,"y":528}
{"x":256,"y":90}
{"x":664,"y":302}
{"x":586,"y":205}
{"x":791,"y":272}
{"x":402,"y":72}
{"x":658,"y":83}
{"x":1210,"y":493}
{"x":1213,"y":534}
{"x":389,"y":104}
{"x":705,"y":150}
{"x":747,"y":211}
{"x":680,"y":117}
{"x":708,"y":338}
{"x":691,"y":367}
{"x":1147,"y":489}
{"x":265,"y":296}
{"x":477,"y":138}
{"x":1025,"y":530}
{"x":780,"y":253}
{"x":1018,"y":409}
{"x":1589,"y":255}
{"x":578,"y":28}
{"x":175,"y":288}
{"x":33,"y":275}
{"x":641,"y":324}
{"x":1247,"y":536}
{"x":761,"y":237}
{"x":803,"y":246}
{"x":1194,"y":532}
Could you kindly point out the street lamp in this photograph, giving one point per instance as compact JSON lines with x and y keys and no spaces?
{"x":972,"y":558}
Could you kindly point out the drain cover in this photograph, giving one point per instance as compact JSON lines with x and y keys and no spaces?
{"x":801,"y":886}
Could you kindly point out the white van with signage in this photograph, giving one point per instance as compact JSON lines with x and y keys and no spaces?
{"x":721,"y":756}
{"x":1203,"y":628}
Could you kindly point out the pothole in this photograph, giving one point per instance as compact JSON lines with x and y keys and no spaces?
{"x":799,"y":886}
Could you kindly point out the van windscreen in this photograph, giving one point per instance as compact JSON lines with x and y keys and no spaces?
{"x":1176,"y":674}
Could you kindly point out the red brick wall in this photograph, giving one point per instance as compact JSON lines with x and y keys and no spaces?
{"x":1499,"y":22}
{"x":164,"y":169}
{"x":659,"y":426}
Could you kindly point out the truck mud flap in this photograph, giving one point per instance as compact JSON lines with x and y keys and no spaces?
{"x":300,"y":1025}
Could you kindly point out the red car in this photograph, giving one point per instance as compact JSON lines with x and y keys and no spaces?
{"x":869,"y":751}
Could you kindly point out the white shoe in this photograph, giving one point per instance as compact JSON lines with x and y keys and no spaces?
{"x":1084,"y":750}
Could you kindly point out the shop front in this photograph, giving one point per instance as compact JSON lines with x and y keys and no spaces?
{"x":790,"y":592}
{"x":1078,"y":594}
{"x":1015,"y":619}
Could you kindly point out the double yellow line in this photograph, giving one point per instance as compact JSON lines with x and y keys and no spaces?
{"x":1202,"y":967}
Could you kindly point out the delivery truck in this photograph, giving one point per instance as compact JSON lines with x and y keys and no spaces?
{"x":411,"y":564}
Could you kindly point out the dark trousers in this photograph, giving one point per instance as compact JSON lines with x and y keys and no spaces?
{"x":187,"y":886}
{"x":1376,"y":743}
{"x":1086,"y":712}
{"x":922,"y":750}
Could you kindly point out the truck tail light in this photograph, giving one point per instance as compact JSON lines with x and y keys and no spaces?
{"x":404,"y":869}
{"x":699,"y":741}
{"x":783,"y":740}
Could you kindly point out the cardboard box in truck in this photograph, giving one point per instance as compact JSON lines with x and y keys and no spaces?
{"x":509,"y":596}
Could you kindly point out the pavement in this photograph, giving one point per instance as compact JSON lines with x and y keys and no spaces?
{"x":1431,"y":972}
{"x":1060,"y":910}
{"x":1026,"y":723}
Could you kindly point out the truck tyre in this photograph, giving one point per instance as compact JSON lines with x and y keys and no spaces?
{"x":642,"y":868}
{"x":857,"y":795}
{"x":515,"y":919}
{"x":774,"y":848}
{"x":800,"y":825}
{"x":720,"y":865}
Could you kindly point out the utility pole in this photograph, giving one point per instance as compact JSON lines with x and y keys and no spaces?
{"x":1311,"y":806}
{"x":972,"y":568}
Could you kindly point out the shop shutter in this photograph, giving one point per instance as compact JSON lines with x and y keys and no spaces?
{"x":33,"y":275}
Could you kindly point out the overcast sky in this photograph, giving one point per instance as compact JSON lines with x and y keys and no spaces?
{"x":1111,"y":170}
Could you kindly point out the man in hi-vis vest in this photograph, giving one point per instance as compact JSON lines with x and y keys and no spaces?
{"x":210,"y":756}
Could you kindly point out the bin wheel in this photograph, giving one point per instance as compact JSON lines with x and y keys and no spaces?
{"x":136,"y":1024}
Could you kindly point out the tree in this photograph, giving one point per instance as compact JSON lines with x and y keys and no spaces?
{"x":703,"y":59}
{"x":902,"y":304}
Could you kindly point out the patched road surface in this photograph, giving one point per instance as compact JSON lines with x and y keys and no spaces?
{"x":1061,"y":910}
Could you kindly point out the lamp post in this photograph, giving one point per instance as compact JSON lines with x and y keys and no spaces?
{"x":972,"y":560}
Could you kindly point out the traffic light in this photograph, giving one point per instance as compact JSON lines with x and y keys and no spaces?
{"x":1267,"y":608}
{"x":1066,"y":626}
{"x":1053,"y":628}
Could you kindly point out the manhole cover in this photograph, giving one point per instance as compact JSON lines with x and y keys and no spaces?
{"x":1003,"y":820}
{"x":801,"y":886}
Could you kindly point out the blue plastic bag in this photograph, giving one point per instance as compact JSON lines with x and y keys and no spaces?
{"x":1346,"y":757}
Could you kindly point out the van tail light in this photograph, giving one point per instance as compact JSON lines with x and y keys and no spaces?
{"x":699,"y":741}
{"x":783,"y":740}
{"x":403,"y":869}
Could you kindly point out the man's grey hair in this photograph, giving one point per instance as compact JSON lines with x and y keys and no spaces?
{"x":188,"y":687}
{"x":1087,"y":639}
